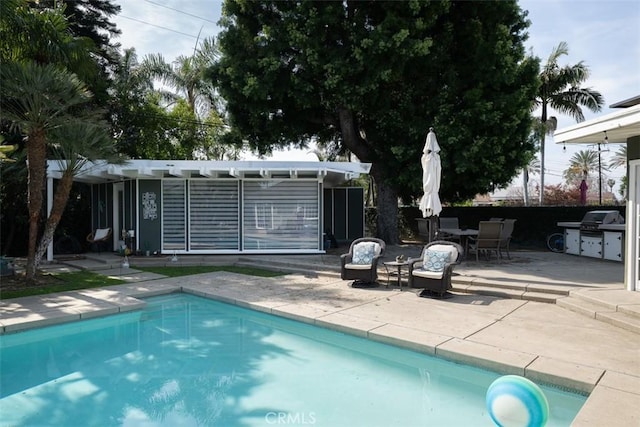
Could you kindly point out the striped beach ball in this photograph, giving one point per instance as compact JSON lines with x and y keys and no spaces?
{"x":514,"y":401}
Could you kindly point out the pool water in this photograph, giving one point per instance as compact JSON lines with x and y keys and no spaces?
{"x":190,"y":361}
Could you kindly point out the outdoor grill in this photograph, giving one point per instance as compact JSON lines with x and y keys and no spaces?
{"x":594,"y":219}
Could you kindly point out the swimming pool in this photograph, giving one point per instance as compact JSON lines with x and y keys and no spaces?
{"x":188,"y":361}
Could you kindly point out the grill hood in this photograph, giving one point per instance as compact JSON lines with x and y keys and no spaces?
{"x":603,"y":217}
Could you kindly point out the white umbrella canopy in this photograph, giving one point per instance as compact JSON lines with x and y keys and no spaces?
{"x":431,"y":173}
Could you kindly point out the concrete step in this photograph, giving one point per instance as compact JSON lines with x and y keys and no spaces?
{"x":463,"y":285}
{"x":602,"y":311}
{"x":616,"y":301}
{"x":290,"y":266}
{"x":513,"y":292}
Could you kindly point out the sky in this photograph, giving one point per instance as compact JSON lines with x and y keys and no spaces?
{"x":605,"y":35}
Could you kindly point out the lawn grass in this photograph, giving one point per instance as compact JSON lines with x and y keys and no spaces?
{"x":198,"y":269}
{"x":61,"y":282}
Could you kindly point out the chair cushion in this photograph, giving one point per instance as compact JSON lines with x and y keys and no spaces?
{"x":351,"y":266}
{"x":101,"y":233}
{"x":364,"y":252}
{"x":446,"y":248}
{"x":437,"y":256}
{"x":428,"y":274}
{"x":435,"y":260}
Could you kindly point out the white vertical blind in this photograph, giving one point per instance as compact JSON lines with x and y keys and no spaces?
{"x":281,"y":214}
{"x":213,"y":214}
{"x":174,"y":235}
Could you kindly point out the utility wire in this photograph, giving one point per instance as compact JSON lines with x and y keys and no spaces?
{"x":180,"y":11}
{"x":159,"y":26}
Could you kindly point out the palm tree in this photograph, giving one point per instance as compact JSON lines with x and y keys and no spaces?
{"x":187,"y":77}
{"x":581,"y":165}
{"x":200,"y":127}
{"x":532,"y":168}
{"x":38,"y":93}
{"x":560,"y":90}
{"x":74,"y":144}
{"x":36,"y":99}
{"x":619,"y":158}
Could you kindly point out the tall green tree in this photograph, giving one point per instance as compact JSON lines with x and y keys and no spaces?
{"x":373,"y":76}
{"x":38,"y":92}
{"x":560,"y":90}
{"x":195,"y":125}
{"x":90,"y":21}
{"x":36,"y":99}
{"x":185,"y":77}
{"x":138,"y":118}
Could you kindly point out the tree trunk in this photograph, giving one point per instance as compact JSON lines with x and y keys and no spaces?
{"x":525,"y":190}
{"x":543,"y":120}
{"x":386,"y":197}
{"x":59,"y":204}
{"x":36,"y":157}
{"x":387,"y":210}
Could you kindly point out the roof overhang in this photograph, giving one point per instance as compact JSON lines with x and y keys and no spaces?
{"x":619,"y":127}
{"x":331,"y":173}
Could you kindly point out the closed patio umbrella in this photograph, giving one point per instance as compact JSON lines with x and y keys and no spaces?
{"x":583,"y":192}
{"x":431,"y":173}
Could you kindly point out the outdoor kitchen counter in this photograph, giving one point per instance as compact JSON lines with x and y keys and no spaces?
{"x":612,"y":227}
{"x":608,"y":244}
{"x":575,"y":224}
{"x":604,"y":227}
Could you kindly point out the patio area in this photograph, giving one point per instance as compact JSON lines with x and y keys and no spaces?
{"x":512,"y":335}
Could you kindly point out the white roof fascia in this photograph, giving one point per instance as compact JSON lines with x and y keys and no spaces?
{"x":619,"y":126}
{"x":101,"y":171}
{"x":179,"y":172}
{"x":208,"y":173}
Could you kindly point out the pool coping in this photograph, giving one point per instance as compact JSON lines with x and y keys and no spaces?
{"x":611,"y":395}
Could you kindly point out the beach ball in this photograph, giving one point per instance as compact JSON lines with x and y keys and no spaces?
{"x":514,"y":401}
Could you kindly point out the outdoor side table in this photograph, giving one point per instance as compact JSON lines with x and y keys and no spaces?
{"x":396,"y":270}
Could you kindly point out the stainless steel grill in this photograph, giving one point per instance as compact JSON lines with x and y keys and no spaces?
{"x":593,"y":219}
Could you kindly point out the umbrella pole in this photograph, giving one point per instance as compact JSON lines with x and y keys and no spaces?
{"x":433,"y":228}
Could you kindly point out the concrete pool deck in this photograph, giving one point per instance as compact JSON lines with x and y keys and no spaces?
{"x":540,"y":340}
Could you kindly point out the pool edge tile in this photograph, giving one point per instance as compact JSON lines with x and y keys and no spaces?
{"x":412,"y":339}
{"x":94,"y":312}
{"x":564,"y":374}
{"x":607,"y":406}
{"x":348,"y":324}
{"x":43,"y":322}
{"x":621,"y":381}
{"x":485,"y":356}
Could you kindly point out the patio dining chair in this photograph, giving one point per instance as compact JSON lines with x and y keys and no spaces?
{"x":447,"y":223}
{"x":432,"y":271}
{"x":360,"y":264}
{"x":487,"y":240}
{"x":505,"y":236}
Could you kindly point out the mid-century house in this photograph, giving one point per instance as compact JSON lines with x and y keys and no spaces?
{"x":222,"y":207}
{"x":620,"y":127}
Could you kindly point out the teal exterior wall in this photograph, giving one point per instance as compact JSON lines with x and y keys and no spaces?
{"x":140,"y":209}
{"x":148,"y":205}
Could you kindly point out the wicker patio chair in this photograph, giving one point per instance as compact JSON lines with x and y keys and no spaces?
{"x":432,"y":271}
{"x":360,"y":264}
